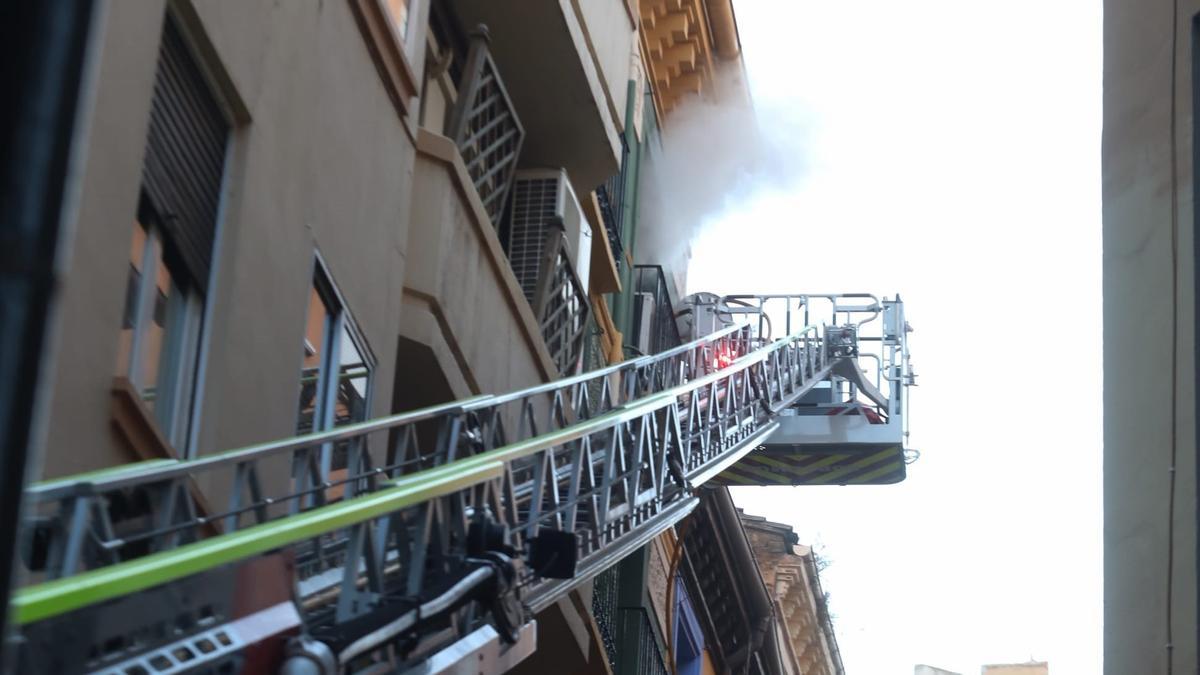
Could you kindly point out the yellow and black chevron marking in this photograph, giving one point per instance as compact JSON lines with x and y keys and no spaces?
{"x":777,"y":466}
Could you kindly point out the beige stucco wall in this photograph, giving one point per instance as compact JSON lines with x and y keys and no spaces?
{"x":464,"y":300}
{"x":1138,"y":361}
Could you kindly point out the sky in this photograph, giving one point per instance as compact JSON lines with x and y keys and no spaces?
{"x":948,"y":151}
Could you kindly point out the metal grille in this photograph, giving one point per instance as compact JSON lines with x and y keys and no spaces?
{"x":716,"y":588}
{"x":605,"y":598}
{"x":647,"y":659}
{"x":593,"y":353}
{"x":485,"y":127}
{"x":535,"y":205}
{"x":185,"y":154}
{"x":611,"y":196}
{"x":560,"y":305}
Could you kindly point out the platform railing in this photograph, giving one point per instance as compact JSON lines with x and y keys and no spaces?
{"x":98,"y":519}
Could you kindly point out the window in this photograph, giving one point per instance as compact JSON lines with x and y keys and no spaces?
{"x":689,"y":641}
{"x":173,"y":234}
{"x":398,"y":11}
{"x":160,"y":327}
{"x":335,"y":375}
{"x":390,"y":28}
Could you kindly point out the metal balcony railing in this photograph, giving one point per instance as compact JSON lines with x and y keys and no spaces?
{"x":560,"y":304}
{"x":611,"y":197}
{"x":606,"y":608}
{"x":648,"y":658}
{"x":664,"y":333}
{"x":485,"y":127}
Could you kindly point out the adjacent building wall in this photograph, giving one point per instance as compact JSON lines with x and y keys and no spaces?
{"x":801,"y":613}
{"x":1149,"y":366}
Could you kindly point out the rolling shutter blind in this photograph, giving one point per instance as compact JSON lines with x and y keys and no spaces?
{"x":185,"y":155}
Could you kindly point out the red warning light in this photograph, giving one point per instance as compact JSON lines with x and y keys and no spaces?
{"x":722,"y":359}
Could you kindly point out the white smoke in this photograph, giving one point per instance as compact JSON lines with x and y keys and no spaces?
{"x":717,"y":153}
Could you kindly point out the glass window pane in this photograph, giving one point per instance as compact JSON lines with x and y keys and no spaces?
{"x":352,"y":385}
{"x":398,"y":9}
{"x":350,"y":404}
{"x":314,"y":342}
{"x":154,"y":337}
{"x":160,"y":324}
{"x":132,"y":286}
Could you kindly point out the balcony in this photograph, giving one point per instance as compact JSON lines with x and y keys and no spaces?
{"x":477,"y":320}
{"x":611,"y":199}
{"x":567,"y":70}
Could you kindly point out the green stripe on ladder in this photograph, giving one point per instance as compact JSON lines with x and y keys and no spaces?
{"x":60,"y":596}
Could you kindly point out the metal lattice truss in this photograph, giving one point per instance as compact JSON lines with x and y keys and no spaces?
{"x":462,"y":490}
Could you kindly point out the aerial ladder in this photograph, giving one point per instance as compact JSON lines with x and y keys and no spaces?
{"x":453,"y":525}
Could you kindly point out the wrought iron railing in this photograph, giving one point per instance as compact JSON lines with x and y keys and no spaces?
{"x":664,"y":333}
{"x":485,"y":127}
{"x":560,"y":304}
{"x":611,"y":197}
{"x":637,"y":632}
{"x":606,"y":607}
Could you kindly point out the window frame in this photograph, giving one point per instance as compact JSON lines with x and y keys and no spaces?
{"x":174,"y":388}
{"x":686,"y":632}
{"x":173,"y":427}
{"x":339,"y":321}
{"x":394,"y":54}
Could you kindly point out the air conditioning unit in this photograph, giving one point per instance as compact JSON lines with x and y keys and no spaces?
{"x":643,"y":322}
{"x":538,"y":196}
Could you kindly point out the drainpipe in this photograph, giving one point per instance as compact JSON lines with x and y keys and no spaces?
{"x":622,"y":307}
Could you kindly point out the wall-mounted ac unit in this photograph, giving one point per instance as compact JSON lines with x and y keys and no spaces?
{"x":643,"y":322}
{"x":538,"y":196}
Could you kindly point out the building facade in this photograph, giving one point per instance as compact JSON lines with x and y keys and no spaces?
{"x":1150,"y":368}
{"x":258,"y":149}
{"x":331,"y":147}
{"x":721,"y":592}
{"x":802,"y":622}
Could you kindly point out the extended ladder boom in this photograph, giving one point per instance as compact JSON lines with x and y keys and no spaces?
{"x":452,"y":523}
